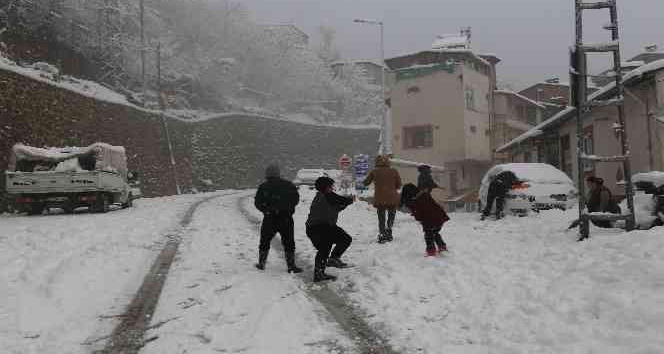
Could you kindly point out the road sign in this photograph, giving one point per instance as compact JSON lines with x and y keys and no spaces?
{"x":361,"y":166}
{"x":345,"y":162}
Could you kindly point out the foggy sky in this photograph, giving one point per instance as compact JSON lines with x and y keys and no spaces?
{"x":531,"y":37}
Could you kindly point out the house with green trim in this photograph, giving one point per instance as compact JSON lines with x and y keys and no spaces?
{"x":442,"y":108}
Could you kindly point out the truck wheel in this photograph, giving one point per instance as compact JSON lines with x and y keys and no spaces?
{"x":36,"y":209}
{"x":102,"y":204}
{"x":68,"y":207}
{"x":129,"y":203}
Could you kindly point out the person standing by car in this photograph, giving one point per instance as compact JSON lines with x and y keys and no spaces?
{"x":323,"y":231}
{"x":276,"y":198}
{"x":500,"y":185}
{"x":386,"y":196}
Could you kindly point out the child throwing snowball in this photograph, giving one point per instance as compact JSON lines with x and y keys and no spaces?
{"x":429,"y":213}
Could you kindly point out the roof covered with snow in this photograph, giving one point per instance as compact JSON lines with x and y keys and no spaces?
{"x":451,"y":41}
{"x":602,"y":93}
{"x":519,"y":96}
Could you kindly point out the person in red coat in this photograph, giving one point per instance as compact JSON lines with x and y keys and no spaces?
{"x":429,"y":213}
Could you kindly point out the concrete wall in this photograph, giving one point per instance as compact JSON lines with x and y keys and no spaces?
{"x":477,"y":144}
{"x":438,"y":102}
{"x":231,"y":152}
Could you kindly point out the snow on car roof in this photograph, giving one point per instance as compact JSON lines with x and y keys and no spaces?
{"x":655,"y":177}
{"x":533,"y":172}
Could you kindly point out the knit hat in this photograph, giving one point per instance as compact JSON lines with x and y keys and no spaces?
{"x":323,"y":182}
{"x":424,"y":168}
{"x":272,"y":171}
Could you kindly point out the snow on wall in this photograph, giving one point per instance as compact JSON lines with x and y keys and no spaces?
{"x":230,"y":152}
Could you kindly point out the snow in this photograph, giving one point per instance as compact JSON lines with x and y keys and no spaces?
{"x":655,"y":177}
{"x":400,"y":162}
{"x":533,"y":172}
{"x":451,"y":41}
{"x":47,"y":73}
{"x":518,"y":285}
{"x":61,"y":274}
{"x":522,"y":97}
{"x":644,"y":206}
{"x":221,"y":303}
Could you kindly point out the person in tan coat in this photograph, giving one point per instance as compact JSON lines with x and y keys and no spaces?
{"x":386,"y":196}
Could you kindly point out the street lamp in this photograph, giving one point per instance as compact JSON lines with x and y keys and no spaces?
{"x":386,"y":144}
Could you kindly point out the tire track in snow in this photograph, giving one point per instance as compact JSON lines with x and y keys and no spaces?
{"x":128,"y":335}
{"x":348,"y":317}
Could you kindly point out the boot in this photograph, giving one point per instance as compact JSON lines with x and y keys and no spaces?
{"x":290,"y":262}
{"x":388,"y":235}
{"x":262,"y":259}
{"x":336,"y":263}
{"x":319,"y":272}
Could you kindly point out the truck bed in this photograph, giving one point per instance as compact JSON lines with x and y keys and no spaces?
{"x":63,"y":182}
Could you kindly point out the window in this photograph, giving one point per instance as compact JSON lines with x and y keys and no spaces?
{"x":418,"y":137}
{"x":531,"y":115}
{"x":470,"y":98}
{"x":565,"y":155}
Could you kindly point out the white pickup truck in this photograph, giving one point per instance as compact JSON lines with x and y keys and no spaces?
{"x":68,"y":178}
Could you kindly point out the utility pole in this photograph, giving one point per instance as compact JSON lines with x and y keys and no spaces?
{"x":142,"y":29}
{"x":165,"y":123}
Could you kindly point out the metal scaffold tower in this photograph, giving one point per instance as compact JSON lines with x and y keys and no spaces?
{"x":584,"y":106}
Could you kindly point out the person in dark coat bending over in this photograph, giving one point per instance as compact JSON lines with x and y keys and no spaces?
{"x":500,"y":185}
{"x":429,"y":213}
{"x":323,"y":231}
{"x":276,"y":198}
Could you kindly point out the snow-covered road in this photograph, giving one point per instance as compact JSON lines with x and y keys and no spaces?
{"x":519,"y":285}
{"x":63,"y":277}
{"x":218,"y":302}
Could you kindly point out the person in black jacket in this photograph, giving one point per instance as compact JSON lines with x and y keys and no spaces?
{"x":323,"y":231}
{"x":500,"y":185}
{"x":600,"y":200}
{"x":276,"y":198}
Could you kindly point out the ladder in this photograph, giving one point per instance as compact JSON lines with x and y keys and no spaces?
{"x":584,"y":106}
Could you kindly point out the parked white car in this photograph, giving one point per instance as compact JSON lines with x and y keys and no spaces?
{"x":542,"y":187}
{"x":308,"y":176}
{"x":648,"y":199}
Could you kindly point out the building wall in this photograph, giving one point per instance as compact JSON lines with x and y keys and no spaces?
{"x":658,"y":133}
{"x":230,"y":152}
{"x":476,"y":123}
{"x":439,"y":102}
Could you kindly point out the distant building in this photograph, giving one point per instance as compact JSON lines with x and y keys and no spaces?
{"x":287,"y":34}
{"x":515,"y":115}
{"x":442,"y":104}
{"x":372,"y":68}
{"x":554,"y":140}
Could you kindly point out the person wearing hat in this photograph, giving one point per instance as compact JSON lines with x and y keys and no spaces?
{"x":323,"y":231}
{"x":276,"y":198}
{"x":386,"y":196}
{"x":425,"y":182}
